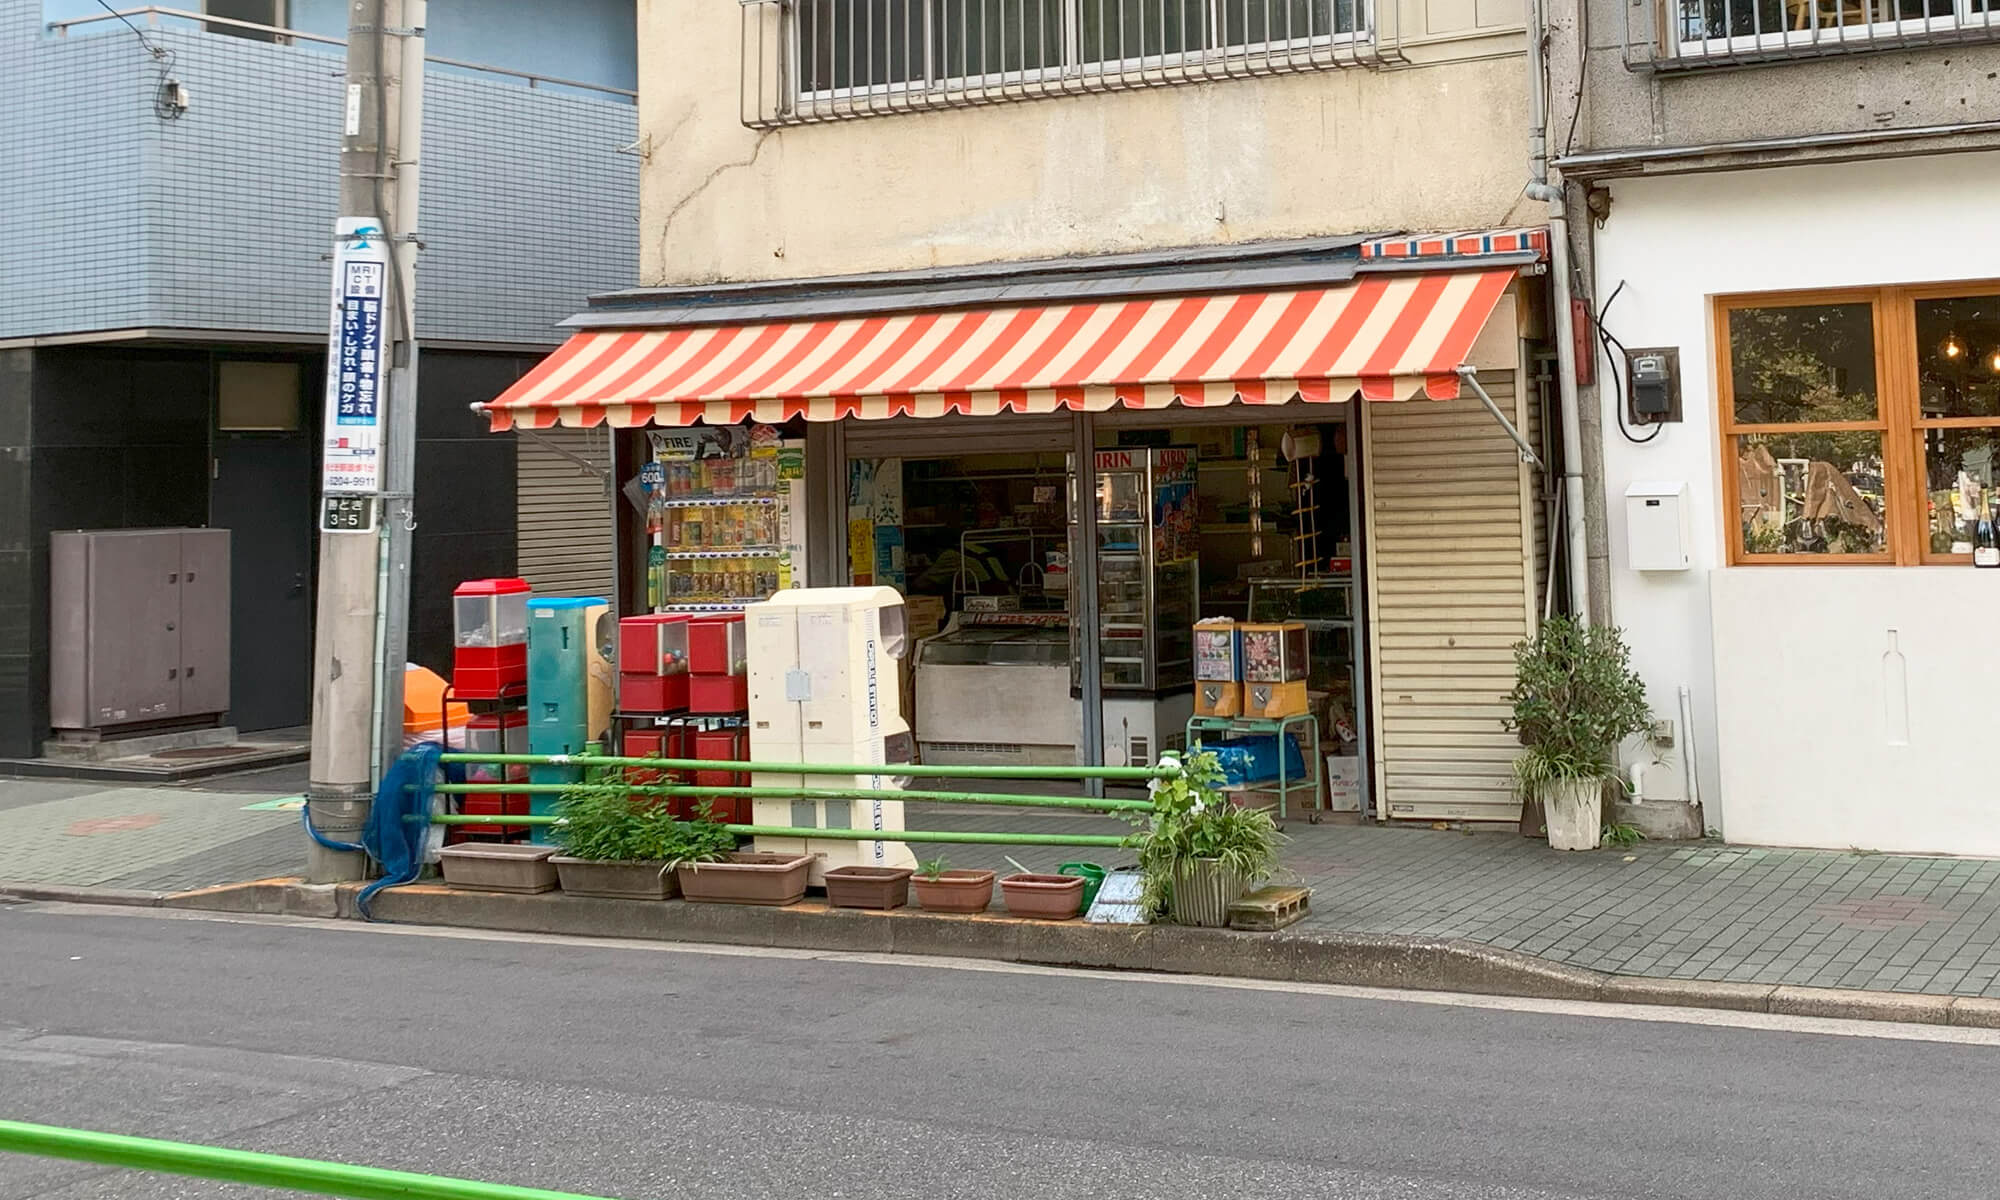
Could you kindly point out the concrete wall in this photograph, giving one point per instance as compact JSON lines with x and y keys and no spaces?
{"x":1434,"y":146}
{"x":1801,"y":765}
{"x":1874,"y":92}
{"x":220,"y":220}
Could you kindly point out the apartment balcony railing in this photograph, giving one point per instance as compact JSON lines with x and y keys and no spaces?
{"x":161,"y":17}
{"x":807,"y":61}
{"x":1691,"y":34}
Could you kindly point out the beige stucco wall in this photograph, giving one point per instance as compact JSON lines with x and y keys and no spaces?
{"x":1440,"y":144}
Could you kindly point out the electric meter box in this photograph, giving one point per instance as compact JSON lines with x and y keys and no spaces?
{"x":1659,"y":530}
{"x":824,"y":687}
{"x":824,"y":667}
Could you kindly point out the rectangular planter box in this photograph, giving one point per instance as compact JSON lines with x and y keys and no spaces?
{"x":868,"y":887}
{"x":1046,"y":897}
{"x":747,"y":878}
{"x":485,"y":867}
{"x":616,"y":880}
{"x":955,"y":892}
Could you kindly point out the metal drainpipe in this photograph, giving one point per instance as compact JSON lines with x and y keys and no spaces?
{"x":1575,"y":541}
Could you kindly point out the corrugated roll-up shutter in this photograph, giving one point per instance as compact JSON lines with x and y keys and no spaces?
{"x":565,"y":536}
{"x":1451,"y":589}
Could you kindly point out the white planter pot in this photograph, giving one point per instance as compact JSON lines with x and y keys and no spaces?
{"x":1574,"y":809}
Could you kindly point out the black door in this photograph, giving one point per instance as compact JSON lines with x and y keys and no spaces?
{"x":262,"y":491}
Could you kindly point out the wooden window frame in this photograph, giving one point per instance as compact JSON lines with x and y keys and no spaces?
{"x":1898,"y":418}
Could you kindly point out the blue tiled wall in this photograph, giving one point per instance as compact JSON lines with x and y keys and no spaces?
{"x":221,"y":220}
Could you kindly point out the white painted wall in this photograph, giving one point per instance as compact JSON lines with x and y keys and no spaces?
{"x":1675,"y":243}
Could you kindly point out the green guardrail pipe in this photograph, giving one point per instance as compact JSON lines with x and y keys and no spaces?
{"x":251,"y":1167}
{"x":846,"y":835}
{"x":1007,"y":799}
{"x":906,"y":770}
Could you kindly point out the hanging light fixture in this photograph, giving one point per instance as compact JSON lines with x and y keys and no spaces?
{"x":1952,"y":348}
{"x":1993,"y":361}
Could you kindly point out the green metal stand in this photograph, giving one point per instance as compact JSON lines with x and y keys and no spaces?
{"x":1277,"y":727}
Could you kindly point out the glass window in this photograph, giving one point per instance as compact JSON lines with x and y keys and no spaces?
{"x":257,"y":397}
{"x":1863,"y":427}
{"x":1958,"y":356}
{"x":1798,"y":364}
{"x":1811,"y":493}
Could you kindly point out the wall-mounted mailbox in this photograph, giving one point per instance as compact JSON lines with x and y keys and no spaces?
{"x":1659,"y":533}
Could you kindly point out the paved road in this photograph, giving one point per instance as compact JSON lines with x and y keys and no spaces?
{"x":648,"y":1072}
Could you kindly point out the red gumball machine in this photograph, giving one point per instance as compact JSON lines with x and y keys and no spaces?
{"x":720,"y":683}
{"x":653,"y":663}
{"x":495,"y":733}
{"x":490,"y":639}
{"x":723,"y":742}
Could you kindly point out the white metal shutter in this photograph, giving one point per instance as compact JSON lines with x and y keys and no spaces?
{"x":564,"y":539}
{"x":1451,"y":588}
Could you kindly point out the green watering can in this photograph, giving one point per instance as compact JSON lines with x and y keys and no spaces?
{"x":1093,"y":878}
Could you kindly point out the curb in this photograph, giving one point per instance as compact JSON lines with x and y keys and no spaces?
{"x":1349,"y":959}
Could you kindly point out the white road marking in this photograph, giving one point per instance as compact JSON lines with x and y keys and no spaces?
{"x":1719,"y":1018}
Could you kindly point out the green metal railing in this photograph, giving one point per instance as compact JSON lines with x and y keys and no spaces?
{"x":252,"y":1167}
{"x":1166,"y":770}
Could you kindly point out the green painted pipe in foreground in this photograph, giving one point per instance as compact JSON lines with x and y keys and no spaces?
{"x":907,"y":770}
{"x":251,"y":1167}
{"x":780,"y":793}
{"x":844,"y":835}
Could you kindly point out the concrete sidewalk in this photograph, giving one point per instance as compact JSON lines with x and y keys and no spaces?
{"x":1705,"y":912}
{"x":150,"y":838}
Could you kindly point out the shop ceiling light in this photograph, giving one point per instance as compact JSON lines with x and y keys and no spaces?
{"x":1952,"y":347}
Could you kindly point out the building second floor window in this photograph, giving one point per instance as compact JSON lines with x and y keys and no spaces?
{"x":850,"y":45}
{"x":1734,"y":29}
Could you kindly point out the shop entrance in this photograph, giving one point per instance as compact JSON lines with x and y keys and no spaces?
{"x":1197,"y":518}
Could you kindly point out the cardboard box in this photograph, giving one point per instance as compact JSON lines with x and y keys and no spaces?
{"x":1343,"y":783}
{"x":924,"y":614}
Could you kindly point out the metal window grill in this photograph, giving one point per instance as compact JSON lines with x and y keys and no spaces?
{"x":806,"y":61}
{"x":1701,"y":33}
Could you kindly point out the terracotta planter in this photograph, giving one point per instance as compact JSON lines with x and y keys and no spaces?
{"x":868,"y":887}
{"x":498,"y":867}
{"x":1203,"y":892}
{"x":747,"y":878}
{"x":1045,"y":897}
{"x":616,"y":880}
{"x":954,"y":892}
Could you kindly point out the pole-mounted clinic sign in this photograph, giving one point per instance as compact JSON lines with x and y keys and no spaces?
{"x":357,"y":366}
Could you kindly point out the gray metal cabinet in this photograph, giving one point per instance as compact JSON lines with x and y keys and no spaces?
{"x":138,"y":627}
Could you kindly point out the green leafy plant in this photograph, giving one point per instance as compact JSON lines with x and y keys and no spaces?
{"x":603,"y":822}
{"x":1191,"y":819}
{"x":1622,"y":835}
{"x":933,"y":869}
{"x":1575,"y":699}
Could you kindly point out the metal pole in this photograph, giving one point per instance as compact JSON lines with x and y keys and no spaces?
{"x":403,"y":61}
{"x":345,"y":643}
{"x":1083,"y":596}
{"x":251,"y":1167}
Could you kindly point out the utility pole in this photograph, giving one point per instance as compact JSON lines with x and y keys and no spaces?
{"x":368,"y":453}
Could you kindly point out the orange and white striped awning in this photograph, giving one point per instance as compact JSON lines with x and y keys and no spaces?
{"x":1386,"y":337}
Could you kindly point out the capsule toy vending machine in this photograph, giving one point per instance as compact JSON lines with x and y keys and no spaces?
{"x":824,"y":687}
{"x":568,"y":668}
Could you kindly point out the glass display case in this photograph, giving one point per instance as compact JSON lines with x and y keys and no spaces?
{"x":1148,"y":551}
{"x":994,"y":689}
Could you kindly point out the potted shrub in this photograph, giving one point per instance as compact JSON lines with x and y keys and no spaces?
{"x":1575,"y":699}
{"x":868,"y":887}
{"x":1200,"y":853}
{"x":941,"y":889}
{"x":616,"y":845}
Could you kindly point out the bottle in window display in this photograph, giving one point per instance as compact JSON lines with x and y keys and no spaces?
{"x":1986,"y":544}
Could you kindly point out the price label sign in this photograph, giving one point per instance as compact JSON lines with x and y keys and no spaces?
{"x":347,"y":514}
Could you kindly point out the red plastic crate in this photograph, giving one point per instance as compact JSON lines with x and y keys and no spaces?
{"x":494,"y":805}
{"x":486,"y":672}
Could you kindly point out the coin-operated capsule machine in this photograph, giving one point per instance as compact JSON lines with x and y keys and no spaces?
{"x":824,"y":688}
{"x":569,"y":687}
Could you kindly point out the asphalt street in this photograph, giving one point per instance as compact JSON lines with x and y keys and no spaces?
{"x":648,"y":1072}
